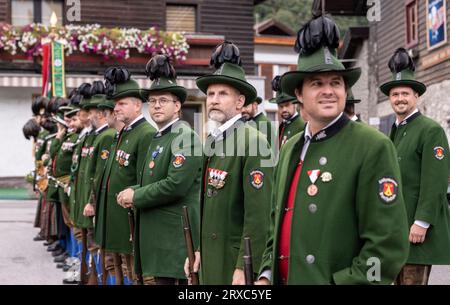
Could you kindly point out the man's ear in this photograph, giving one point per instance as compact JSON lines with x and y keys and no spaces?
{"x":241,"y":101}
{"x":298,"y":95}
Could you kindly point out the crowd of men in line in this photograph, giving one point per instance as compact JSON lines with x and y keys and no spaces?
{"x":325,"y":199}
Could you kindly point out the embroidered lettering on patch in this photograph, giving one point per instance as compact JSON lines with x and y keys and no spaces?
{"x":388,"y":189}
{"x":104,"y":154}
{"x":439,"y":152}
{"x":179,"y":160}
{"x":257,"y":179}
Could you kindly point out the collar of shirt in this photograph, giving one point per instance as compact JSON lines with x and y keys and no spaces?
{"x":291,"y":118}
{"x":85,"y":131}
{"x":397,"y":123}
{"x":168,"y":125}
{"x":97,"y":131}
{"x":129,"y":126}
{"x":229,"y":123}
{"x":257,"y":115}
{"x":354,"y":118}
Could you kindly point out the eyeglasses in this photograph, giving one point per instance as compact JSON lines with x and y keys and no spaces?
{"x":162,"y":101}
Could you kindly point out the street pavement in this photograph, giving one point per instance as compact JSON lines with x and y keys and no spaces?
{"x":22,"y":260}
{"x":27,"y":262}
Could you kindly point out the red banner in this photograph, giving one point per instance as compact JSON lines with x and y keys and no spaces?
{"x":46,"y":53}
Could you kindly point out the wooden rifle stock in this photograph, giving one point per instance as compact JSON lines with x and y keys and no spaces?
{"x":248,"y":262}
{"x":189,"y":245}
{"x":84,"y":268}
{"x":140,"y":280}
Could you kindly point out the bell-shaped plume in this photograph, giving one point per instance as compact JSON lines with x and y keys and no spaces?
{"x":39,"y":103}
{"x":117,"y":75}
{"x":226,"y":52}
{"x":319,"y":32}
{"x":159,"y":66}
{"x":401,"y":61}
{"x":97,"y":88}
{"x":276,"y":83}
{"x":85,"y":90}
{"x":76,"y":100}
{"x":31,"y":129}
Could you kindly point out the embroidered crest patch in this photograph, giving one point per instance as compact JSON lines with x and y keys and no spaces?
{"x":439,"y":152}
{"x":257,"y":179}
{"x":179,"y":160}
{"x":104,"y":154}
{"x":388,"y":189}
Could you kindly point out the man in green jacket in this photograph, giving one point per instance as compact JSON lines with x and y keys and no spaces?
{"x":170,"y":179}
{"x":292,"y":123}
{"x":338,"y":212}
{"x":122,"y":170}
{"x":237,"y":175}
{"x":422,"y":149}
{"x":259,"y":120}
{"x":349,"y":109}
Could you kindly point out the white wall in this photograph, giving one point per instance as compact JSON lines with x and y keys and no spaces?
{"x":15,"y":151}
{"x":282,"y":55}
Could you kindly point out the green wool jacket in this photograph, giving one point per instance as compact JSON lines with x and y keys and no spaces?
{"x":356,"y":218}
{"x":122,"y":170}
{"x":61,"y":151}
{"x":83,"y":183}
{"x":51,"y":148}
{"x":422,"y":149}
{"x":236,"y":201}
{"x":97,"y":147}
{"x":290,"y":128}
{"x":63,"y":158}
{"x":170,"y":179}
{"x":97,"y":161}
{"x":76,"y":158}
{"x":40,"y":147}
{"x":264,"y":125}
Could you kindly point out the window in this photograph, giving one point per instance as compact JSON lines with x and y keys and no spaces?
{"x":411,"y":23}
{"x":24,"y":12}
{"x":181,"y":18}
{"x":48,"y":7}
{"x":386,"y":123}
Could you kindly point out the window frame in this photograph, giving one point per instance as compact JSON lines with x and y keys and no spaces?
{"x":37,"y":11}
{"x":194,"y":3}
{"x":408,"y":4}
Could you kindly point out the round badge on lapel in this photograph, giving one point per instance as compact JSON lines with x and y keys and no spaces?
{"x":312,"y":190}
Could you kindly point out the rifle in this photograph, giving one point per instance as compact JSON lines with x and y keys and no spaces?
{"x":34,"y":179}
{"x":83,"y":271}
{"x":189,"y":245}
{"x":93,"y":276}
{"x":140,"y":280}
{"x":248,"y":262}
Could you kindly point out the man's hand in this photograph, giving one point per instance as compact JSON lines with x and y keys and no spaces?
{"x":417,"y":234}
{"x":262,"y":281}
{"x":45,"y":157}
{"x":196,"y":266}
{"x":61,"y":131}
{"x":89,"y":210}
{"x":125,"y":198}
{"x":238,"y":277}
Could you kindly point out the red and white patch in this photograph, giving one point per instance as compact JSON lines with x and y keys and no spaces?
{"x":257,"y":179}
{"x":439,"y":152}
{"x":179,"y":160}
{"x":388,"y":189}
